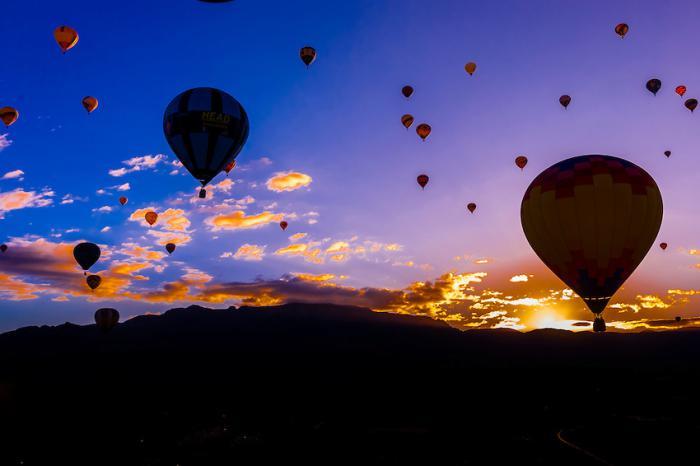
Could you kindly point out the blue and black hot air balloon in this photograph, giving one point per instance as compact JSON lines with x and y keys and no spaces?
{"x":206,"y":128}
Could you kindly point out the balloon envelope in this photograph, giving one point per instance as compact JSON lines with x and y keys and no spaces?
{"x":422,"y":180}
{"x":106,"y":318}
{"x":3,"y":247}
{"x":66,"y":37}
{"x":663,"y":246}
{"x":307,"y":55}
{"x":680,"y":90}
{"x":470,"y":68}
{"x":283,"y":225}
{"x":592,"y":219}
{"x":423,"y":130}
{"x":170,"y":247}
{"x":8,"y":115}
{"x":471,"y":207}
{"x":654,"y":85}
{"x":521,"y":161}
{"x":407,"y":120}
{"x":93,"y":281}
{"x":622,"y":29}
{"x":90,"y":103}
{"x":691,"y":104}
{"x":667,"y":153}
{"x":86,"y":254}
{"x":151,"y":217}
{"x":230,"y":166}
{"x":206,"y":128}
{"x":407,"y":91}
{"x":565,"y":100}
{"x":123,"y":200}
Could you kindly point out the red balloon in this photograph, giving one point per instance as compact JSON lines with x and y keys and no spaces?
{"x":422,"y":180}
{"x":521,"y":161}
{"x":663,"y":246}
{"x":283,"y":225}
{"x":471,"y":206}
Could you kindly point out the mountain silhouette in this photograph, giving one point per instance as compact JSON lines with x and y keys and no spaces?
{"x":329,"y":384}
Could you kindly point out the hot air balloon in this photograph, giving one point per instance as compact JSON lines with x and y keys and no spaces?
{"x":565,"y":100}
{"x":470,"y":68}
{"x":521,"y":161}
{"x":680,"y":90}
{"x":407,"y":91}
{"x":407,"y":120}
{"x":663,"y":246}
{"x":691,"y":104}
{"x":8,"y":115}
{"x":423,"y":130}
{"x":93,"y":281}
{"x":422,"y":180}
{"x":283,"y":225}
{"x":106,"y":318}
{"x":86,"y":254}
{"x":151,"y":217}
{"x":653,"y":85}
{"x":591,"y":219}
{"x":667,"y":153}
{"x":123,"y":200}
{"x":66,"y":37}
{"x":3,"y":247}
{"x":230,"y":166}
{"x":90,"y":103}
{"x":170,"y":247}
{"x":622,"y":29}
{"x":678,"y":318}
{"x":206,"y":128}
{"x":308,"y":55}
{"x":471,"y":207}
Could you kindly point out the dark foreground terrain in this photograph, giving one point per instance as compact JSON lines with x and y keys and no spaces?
{"x":321,"y":384}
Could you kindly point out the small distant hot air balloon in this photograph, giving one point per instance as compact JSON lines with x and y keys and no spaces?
{"x":423,"y":130}
{"x":106,"y":318}
{"x":3,"y":247}
{"x":653,"y":85}
{"x":470,"y":68}
{"x":663,"y":246}
{"x":230,"y":166}
{"x":622,"y":29}
{"x":521,"y":161}
{"x":93,"y":281}
{"x":680,"y":90}
{"x":151,"y":217}
{"x":407,"y":91}
{"x":66,"y":37}
{"x":678,"y":318}
{"x":308,"y":55}
{"x":471,"y":207}
{"x":407,"y":120}
{"x":86,"y":255}
{"x":170,"y":247}
{"x":8,"y":115}
{"x":691,"y":104}
{"x":422,"y":180}
{"x":123,"y":200}
{"x":283,"y":225}
{"x":667,"y":153}
{"x":565,"y":100}
{"x":591,"y":219}
{"x":90,"y":103}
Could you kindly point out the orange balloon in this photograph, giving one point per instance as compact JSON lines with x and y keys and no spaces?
{"x":8,"y":115}
{"x":470,"y":68}
{"x":90,"y":103}
{"x":151,"y":217}
{"x":407,"y":120}
{"x":521,"y":161}
{"x":66,"y":37}
{"x":423,"y":130}
{"x":622,"y":29}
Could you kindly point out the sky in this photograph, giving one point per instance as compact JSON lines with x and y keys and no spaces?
{"x":328,"y":154}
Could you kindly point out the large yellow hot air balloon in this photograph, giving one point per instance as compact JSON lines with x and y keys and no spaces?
{"x":66,"y":37}
{"x":592,"y":219}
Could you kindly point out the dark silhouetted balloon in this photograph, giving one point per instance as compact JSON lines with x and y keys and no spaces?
{"x":123,"y":200}
{"x":90,"y":103}
{"x":678,"y":318}
{"x":106,"y":318}
{"x":470,"y":68}
{"x":654,"y":85}
{"x":680,"y":90}
{"x":86,"y":254}
{"x":598,"y":324}
{"x":308,"y":55}
{"x":691,"y":104}
{"x":93,"y":281}
{"x":663,"y":246}
{"x":407,"y":91}
{"x":3,"y":247}
{"x":170,"y":247}
{"x":521,"y":161}
{"x":422,"y":180}
{"x":667,"y":153}
{"x":565,"y":100}
{"x":471,"y":207}
{"x":8,"y":115}
{"x":622,"y":29}
{"x":66,"y":37}
{"x":206,"y":128}
{"x":592,"y":219}
{"x":423,"y":130}
{"x":283,"y":225}
{"x":151,"y":217}
{"x":407,"y":120}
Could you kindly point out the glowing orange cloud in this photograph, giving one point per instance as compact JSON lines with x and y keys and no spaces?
{"x":238,"y":220}
{"x":288,"y":181}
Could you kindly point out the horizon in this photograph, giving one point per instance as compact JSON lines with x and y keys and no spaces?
{"x":327,"y":153}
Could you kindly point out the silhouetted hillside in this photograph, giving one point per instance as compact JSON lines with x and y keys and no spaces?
{"x":326,"y":384}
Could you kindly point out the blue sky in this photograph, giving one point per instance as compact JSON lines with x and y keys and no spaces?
{"x":338,"y":123}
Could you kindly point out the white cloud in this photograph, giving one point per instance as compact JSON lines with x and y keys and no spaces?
{"x":135,"y":164}
{"x":13,"y":175}
{"x":4,"y":142}
{"x":105,"y":229}
{"x":123,"y":187}
{"x":21,"y":199}
{"x":103,"y":209}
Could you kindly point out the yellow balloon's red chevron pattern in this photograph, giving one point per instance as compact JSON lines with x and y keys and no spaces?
{"x":592,"y":219}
